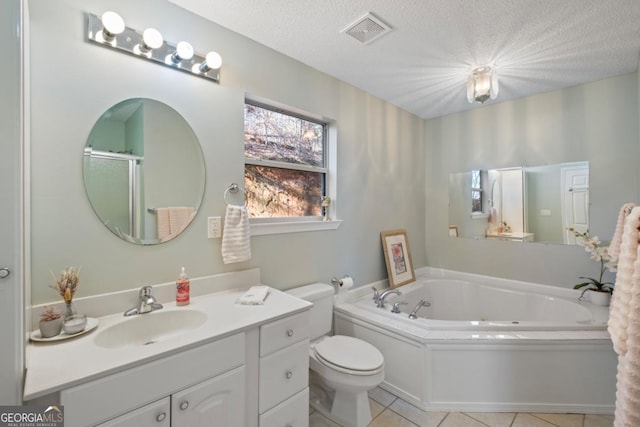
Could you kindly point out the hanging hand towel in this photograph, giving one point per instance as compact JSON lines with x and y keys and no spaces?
{"x":179,"y":218}
{"x":162,"y":223}
{"x":235,"y":240}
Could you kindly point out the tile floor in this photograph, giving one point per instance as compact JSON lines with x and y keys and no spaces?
{"x":388,"y":410}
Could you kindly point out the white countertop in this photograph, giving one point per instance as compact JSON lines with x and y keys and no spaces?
{"x":54,"y":366}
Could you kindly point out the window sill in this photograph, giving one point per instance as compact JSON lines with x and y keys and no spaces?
{"x":266,"y":228}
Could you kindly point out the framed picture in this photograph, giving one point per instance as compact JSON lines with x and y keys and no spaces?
{"x":397,"y":257}
{"x":453,"y":231}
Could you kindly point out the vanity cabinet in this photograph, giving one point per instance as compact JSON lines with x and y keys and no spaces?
{"x":220,"y":399}
{"x":284,"y":372}
{"x":211,"y":376}
{"x":245,"y":367}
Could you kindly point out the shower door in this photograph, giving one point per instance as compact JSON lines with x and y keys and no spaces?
{"x":112,"y":181}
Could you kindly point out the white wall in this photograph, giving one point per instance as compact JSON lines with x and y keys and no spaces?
{"x":597,"y":122}
{"x":380,"y":154}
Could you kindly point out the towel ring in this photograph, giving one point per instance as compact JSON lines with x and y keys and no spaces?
{"x":233,"y":188}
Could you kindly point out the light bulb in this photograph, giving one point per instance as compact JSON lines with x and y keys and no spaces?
{"x":183,"y":51}
{"x":113,"y":25}
{"x":152,"y":38}
{"x":212,"y":61}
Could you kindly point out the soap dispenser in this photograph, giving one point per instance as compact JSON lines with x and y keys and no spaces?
{"x":182,"y":289}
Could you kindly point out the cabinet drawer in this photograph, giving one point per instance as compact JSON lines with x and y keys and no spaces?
{"x":283,"y":373}
{"x":101,"y":399}
{"x":293,"y":412}
{"x":284,"y":332}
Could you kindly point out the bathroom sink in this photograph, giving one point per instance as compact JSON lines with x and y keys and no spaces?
{"x":146,"y":329}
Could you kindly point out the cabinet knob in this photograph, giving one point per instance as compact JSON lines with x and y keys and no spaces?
{"x":289,"y":332}
{"x":5,"y":272}
{"x":184,"y":405}
{"x":161,"y":417}
{"x":289,"y":374}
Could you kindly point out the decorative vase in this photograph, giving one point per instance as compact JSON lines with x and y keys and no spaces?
{"x":599,"y":298}
{"x":50,"y":328}
{"x":70,"y":311}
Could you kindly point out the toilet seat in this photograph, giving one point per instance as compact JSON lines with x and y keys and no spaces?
{"x":349,"y":355}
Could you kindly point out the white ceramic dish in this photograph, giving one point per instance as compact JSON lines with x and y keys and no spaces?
{"x":92,"y":323}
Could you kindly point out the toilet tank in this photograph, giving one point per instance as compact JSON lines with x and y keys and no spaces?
{"x":321,"y":314}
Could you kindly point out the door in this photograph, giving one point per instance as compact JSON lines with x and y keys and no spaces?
{"x":218,"y":402}
{"x":11,"y":277}
{"x":575,"y":202}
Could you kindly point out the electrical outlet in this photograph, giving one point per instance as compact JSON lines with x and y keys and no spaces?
{"x":213,"y":227}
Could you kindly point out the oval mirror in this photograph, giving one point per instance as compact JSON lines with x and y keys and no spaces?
{"x":144,"y":171}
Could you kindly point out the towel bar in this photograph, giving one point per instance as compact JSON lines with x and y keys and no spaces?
{"x":232,"y":188}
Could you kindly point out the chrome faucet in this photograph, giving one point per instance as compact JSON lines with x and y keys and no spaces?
{"x":376,"y":294}
{"x":146,"y":303}
{"x":421,"y":303}
{"x":384,"y":295}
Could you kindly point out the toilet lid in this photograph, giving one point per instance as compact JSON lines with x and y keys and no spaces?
{"x":349,"y":353}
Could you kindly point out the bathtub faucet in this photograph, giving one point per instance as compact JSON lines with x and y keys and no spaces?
{"x":384,"y":295}
{"x":414,"y":312}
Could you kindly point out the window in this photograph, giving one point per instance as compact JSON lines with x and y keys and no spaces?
{"x":285,"y":173}
{"x":476,"y":191}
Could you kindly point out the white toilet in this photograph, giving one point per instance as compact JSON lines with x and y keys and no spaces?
{"x":348,"y":366}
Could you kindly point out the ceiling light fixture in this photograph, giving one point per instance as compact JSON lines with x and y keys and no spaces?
{"x":482,"y":84}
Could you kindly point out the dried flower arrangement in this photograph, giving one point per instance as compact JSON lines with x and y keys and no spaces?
{"x":49,"y":313}
{"x":67,"y":284}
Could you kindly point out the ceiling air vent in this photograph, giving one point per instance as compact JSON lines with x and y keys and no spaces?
{"x":367,"y":29}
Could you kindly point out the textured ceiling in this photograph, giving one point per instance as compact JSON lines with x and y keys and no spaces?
{"x":423,"y":63}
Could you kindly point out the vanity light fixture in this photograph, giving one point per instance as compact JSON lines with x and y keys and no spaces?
{"x":482,"y":84}
{"x":110,"y":31}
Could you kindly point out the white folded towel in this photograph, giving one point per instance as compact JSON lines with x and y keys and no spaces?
{"x":235,"y":239}
{"x":254,"y":296}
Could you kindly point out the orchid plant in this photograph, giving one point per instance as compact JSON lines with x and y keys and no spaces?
{"x":599,"y":253}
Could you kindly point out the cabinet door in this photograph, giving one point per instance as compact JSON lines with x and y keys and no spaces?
{"x":154,"y":414}
{"x":218,"y":402}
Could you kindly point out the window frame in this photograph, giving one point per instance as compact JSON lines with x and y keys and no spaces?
{"x":278,"y":225}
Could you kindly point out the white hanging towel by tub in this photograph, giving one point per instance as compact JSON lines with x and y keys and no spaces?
{"x":624,"y":324}
{"x":616,"y":240}
{"x":236,"y":246}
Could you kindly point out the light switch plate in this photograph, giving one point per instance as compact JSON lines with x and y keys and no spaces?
{"x":214,"y":230}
